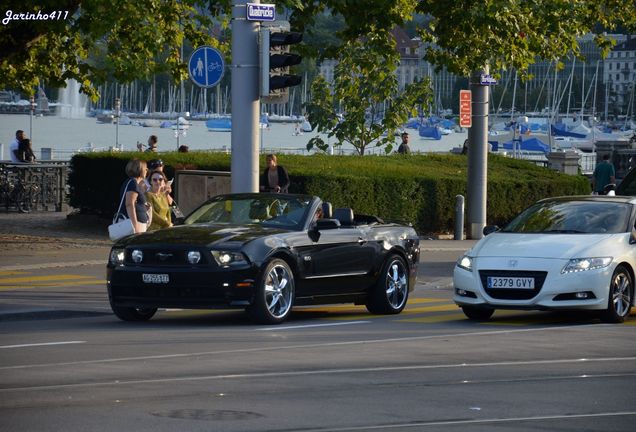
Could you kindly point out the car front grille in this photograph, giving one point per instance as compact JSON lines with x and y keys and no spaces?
{"x":512,"y":293}
{"x":158,"y":257}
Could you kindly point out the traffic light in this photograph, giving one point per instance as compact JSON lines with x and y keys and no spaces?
{"x":275,"y":60}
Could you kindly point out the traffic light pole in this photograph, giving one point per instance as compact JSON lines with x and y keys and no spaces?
{"x":245,"y":100}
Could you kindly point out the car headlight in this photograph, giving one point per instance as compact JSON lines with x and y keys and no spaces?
{"x":465,"y":262}
{"x":227,"y":259}
{"x":583,"y":264}
{"x":117,"y":256}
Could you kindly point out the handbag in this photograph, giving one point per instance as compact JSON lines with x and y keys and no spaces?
{"x":176,"y":214}
{"x":122,"y":225}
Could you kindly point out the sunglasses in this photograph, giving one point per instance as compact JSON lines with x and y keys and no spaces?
{"x":157,"y":179}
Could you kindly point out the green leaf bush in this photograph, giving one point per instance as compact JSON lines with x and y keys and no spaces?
{"x":417,"y":189}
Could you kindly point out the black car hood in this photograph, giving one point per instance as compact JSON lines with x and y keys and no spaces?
{"x":201,"y":235}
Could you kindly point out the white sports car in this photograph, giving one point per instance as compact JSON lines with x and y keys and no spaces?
{"x":561,"y":253}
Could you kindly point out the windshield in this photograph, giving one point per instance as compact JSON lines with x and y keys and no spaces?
{"x":262,"y":209}
{"x":572,"y":217}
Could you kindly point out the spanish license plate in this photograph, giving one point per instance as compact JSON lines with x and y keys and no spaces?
{"x":510,"y":282}
{"x":155,"y":278}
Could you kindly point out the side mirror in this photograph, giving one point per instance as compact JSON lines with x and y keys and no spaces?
{"x":489,"y":229}
{"x":321,"y":224}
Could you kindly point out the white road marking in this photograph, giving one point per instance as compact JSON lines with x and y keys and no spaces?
{"x":308,"y":346}
{"x":278,"y":374}
{"x":312,"y":325}
{"x":475,"y":421}
{"x":41,"y":344}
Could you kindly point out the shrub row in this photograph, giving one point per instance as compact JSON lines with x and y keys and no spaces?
{"x":419,"y":189}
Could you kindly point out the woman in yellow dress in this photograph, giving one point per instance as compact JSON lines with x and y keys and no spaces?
{"x":159,"y":197}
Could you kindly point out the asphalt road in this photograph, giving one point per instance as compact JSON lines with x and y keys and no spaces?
{"x":66,"y":363}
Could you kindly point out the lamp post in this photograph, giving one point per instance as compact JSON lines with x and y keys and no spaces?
{"x":32,"y":106}
{"x":117,"y":115}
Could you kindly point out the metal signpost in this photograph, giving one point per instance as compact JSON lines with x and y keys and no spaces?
{"x":206,"y":66}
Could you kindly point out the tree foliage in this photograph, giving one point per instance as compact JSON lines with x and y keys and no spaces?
{"x":468,"y":35}
{"x":365,"y":105}
{"x":95,"y":40}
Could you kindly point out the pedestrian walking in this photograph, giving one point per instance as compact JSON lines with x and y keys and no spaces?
{"x":275,"y":177}
{"x":159,"y":198}
{"x":404,"y":146}
{"x":152,"y":143}
{"x":604,"y":175}
{"x":136,"y":207}
{"x":14,"y":146}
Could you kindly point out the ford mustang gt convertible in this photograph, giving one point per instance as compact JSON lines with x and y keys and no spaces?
{"x":561,"y":253}
{"x":264,"y":253}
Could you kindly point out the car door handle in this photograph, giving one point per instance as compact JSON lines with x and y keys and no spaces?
{"x":361,"y":241}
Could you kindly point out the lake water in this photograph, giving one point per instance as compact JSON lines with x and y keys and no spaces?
{"x":66,"y":136}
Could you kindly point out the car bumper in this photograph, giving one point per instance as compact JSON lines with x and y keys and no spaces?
{"x":187,"y":287}
{"x":583,"y":290}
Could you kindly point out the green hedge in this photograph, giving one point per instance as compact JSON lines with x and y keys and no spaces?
{"x":420,"y":189}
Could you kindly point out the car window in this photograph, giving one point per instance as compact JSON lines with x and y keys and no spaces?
{"x":572,"y":217}
{"x":263,"y":209}
{"x":628,"y":185}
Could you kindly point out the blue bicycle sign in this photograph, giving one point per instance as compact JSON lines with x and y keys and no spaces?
{"x":206,"y":66}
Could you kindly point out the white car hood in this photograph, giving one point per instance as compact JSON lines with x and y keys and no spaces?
{"x":564,"y":246}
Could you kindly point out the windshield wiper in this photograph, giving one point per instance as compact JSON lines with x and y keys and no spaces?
{"x":566,"y":231}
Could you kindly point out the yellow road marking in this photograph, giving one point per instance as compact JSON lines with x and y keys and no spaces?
{"x":11,"y":273}
{"x":52,"y":285}
{"x":436,"y":318}
{"x":425,"y":300}
{"x":439,"y":308}
{"x":43,"y":278}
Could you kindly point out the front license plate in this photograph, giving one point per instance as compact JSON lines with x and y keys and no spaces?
{"x":511,"y":282}
{"x":155,"y":278}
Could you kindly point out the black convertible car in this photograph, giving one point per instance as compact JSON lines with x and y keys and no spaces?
{"x":265,"y":253}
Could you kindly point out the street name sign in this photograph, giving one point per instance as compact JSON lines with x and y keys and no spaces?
{"x":206,"y":66}
{"x":261,"y":12}
{"x":487,"y":80}
{"x":465,"y":108}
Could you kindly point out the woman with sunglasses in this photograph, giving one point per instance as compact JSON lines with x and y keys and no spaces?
{"x":159,"y":197}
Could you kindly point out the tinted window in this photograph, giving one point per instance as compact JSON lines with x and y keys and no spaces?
{"x":265,"y":210}
{"x":586,"y":217}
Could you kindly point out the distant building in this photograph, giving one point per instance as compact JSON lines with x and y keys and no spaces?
{"x":619,"y":72}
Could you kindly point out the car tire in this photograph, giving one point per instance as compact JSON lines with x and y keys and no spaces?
{"x":621,"y":291}
{"x":133,"y":314}
{"x":274,"y":296}
{"x":478,"y":313}
{"x":391,"y":291}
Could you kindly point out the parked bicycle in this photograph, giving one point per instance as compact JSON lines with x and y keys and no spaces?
{"x":16,"y":193}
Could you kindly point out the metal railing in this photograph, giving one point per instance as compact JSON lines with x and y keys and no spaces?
{"x":37,"y":187}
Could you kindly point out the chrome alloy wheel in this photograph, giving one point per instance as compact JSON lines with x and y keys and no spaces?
{"x":621,"y":294}
{"x":279,"y":284}
{"x":396,"y":284}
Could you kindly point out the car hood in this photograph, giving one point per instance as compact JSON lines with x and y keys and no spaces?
{"x":564,"y":246}
{"x":201,"y":235}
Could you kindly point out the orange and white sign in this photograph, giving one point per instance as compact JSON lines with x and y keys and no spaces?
{"x":465,"y":108}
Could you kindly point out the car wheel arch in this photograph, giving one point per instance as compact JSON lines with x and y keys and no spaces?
{"x":285,"y":256}
{"x":395,"y":250}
